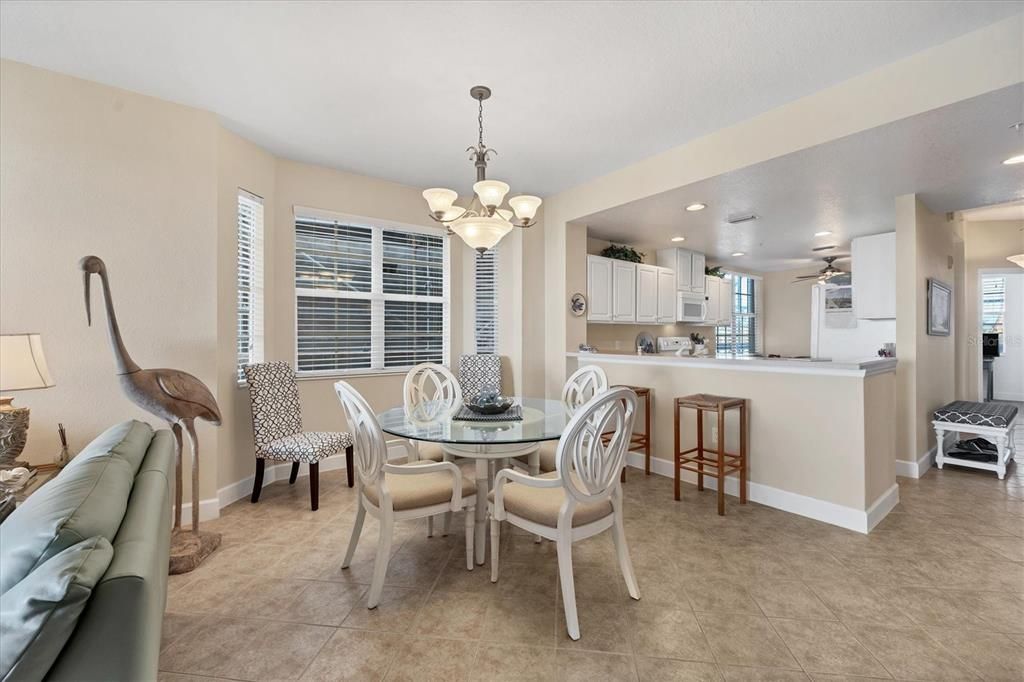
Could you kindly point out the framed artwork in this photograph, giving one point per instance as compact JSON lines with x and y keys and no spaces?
{"x":940,"y":308}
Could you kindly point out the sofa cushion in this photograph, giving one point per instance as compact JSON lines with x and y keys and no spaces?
{"x":128,"y":440}
{"x":84,"y":500}
{"x":38,"y":615}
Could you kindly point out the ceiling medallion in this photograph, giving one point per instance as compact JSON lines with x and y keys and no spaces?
{"x":483,"y":223}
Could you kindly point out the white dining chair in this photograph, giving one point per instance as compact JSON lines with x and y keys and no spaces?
{"x":585,"y":383}
{"x":397,"y":492}
{"x":582,"y":498}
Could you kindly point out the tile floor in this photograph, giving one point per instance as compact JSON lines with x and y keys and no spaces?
{"x":936,"y":592}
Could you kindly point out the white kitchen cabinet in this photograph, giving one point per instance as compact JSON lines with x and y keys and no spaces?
{"x":599,"y":289}
{"x":874,"y":276}
{"x":647,"y":293}
{"x":666,"y":296}
{"x":689,"y":268}
{"x":723,"y":298}
{"x":713,"y":296}
{"x":623,"y":291}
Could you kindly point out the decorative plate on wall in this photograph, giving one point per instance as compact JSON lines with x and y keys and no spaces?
{"x":578,"y":304}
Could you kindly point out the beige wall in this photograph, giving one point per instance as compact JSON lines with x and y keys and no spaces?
{"x":986,"y":246}
{"x":787,"y":312}
{"x":926,"y":376}
{"x":87,"y":169}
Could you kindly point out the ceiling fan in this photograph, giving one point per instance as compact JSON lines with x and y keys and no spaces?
{"x":826,"y":273}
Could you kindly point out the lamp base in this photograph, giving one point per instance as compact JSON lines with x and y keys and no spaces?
{"x":13,"y":436}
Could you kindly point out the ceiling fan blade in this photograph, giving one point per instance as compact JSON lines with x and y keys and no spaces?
{"x":806,"y":278}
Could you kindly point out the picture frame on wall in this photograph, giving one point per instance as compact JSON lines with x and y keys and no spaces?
{"x":940,"y":308}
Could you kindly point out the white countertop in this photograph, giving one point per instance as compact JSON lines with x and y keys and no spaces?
{"x":865,"y":367}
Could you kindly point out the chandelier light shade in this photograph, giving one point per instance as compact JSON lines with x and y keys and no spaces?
{"x":483,"y":224}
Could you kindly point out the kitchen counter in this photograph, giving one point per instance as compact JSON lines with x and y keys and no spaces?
{"x":821,"y":434}
{"x":865,"y":367}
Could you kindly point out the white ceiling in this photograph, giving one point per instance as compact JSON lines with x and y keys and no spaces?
{"x":951,"y":157}
{"x":580,"y":88}
{"x":1013,"y":210}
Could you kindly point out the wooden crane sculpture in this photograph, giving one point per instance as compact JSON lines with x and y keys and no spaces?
{"x":179,"y":399}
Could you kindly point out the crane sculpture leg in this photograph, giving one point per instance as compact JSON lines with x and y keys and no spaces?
{"x":176,"y":430}
{"x":190,"y":426}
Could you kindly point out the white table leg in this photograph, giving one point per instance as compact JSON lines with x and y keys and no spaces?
{"x":482,"y":489}
{"x":940,"y":438}
{"x":1001,"y":456}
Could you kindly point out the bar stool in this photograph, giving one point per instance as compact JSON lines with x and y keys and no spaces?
{"x":638,"y":440}
{"x":723,"y":463}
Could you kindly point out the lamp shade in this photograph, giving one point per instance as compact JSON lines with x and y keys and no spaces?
{"x":525,"y":206}
{"x":439,"y":199}
{"x":22,"y":363}
{"x":491,"y":192}
{"x":481,"y":233}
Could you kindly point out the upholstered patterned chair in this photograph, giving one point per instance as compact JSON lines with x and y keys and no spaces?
{"x":478,"y":371}
{"x":277,"y":428}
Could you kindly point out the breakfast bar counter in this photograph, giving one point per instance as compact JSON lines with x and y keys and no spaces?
{"x":821,"y":434}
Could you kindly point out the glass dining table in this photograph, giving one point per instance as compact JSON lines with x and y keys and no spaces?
{"x":482,"y":441}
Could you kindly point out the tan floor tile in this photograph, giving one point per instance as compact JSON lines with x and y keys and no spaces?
{"x":603,"y":627}
{"x":455,"y":615}
{"x":514,"y":621}
{"x":827,"y":647}
{"x":599,"y":583}
{"x":262,"y":597}
{"x":353,"y":655}
{"x":740,"y":674}
{"x":668,"y":670}
{"x":433,"y":659}
{"x":177,"y":624}
{"x":501,"y":663}
{"x":745,"y":640}
{"x":322,"y":603}
{"x":989,"y":654}
{"x":827,"y":677}
{"x":932,"y":607}
{"x":176,"y":677}
{"x":245,"y":649}
{"x":587,"y":666}
{"x":210,"y":593}
{"x":720,"y":596}
{"x":1006,"y":547}
{"x":910,"y":653}
{"x":789,"y":599}
{"x":661,"y":631}
{"x":396,"y":611}
{"x":857,"y":602}
{"x":999,"y":611}
{"x":538,"y":581}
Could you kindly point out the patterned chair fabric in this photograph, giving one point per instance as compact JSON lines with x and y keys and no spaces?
{"x":277,"y":417}
{"x":996,"y":415}
{"x":476,"y":372}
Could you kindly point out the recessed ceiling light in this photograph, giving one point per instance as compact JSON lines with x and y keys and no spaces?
{"x":696,"y":207}
{"x":738,"y":254}
{"x":1014,"y":159}
{"x":823,"y":233}
{"x":679,"y":239}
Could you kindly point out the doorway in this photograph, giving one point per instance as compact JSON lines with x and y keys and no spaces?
{"x":1001,"y":339}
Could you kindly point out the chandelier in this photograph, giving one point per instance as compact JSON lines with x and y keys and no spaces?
{"x":484,"y":222}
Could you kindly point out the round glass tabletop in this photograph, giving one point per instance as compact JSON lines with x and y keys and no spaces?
{"x":542,"y":420}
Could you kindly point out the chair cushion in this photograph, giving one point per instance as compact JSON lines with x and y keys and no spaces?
{"x":547,"y":456}
{"x":419,"y":490}
{"x":88,"y":498}
{"x":996,"y":415}
{"x":38,"y":615}
{"x":430,"y":451}
{"x":541,"y":505}
{"x":309,"y":446}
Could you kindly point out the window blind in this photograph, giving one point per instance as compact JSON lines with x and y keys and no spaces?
{"x":743,"y":336}
{"x":249,"y":281}
{"x":368,"y":297}
{"x":993,"y":304}
{"x":487,"y":301}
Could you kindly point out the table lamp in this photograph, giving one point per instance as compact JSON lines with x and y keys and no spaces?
{"x":22,"y":368}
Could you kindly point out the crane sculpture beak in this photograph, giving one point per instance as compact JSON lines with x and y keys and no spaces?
{"x":86,"y":277}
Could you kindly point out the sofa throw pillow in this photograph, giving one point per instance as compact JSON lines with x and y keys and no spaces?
{"x":38,"y":615}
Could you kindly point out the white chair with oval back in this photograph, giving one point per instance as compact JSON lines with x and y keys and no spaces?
{"x":397,"y":492}
{"x":582,"y":498}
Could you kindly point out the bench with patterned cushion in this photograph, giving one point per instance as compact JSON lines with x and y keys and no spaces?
{"x":996,"y":415}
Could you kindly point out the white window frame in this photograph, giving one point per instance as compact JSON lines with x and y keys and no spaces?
{"x":376,"y":295}
{"x":758,"y":311}
{"x":492,"y":310}
{"x":256,"y":292}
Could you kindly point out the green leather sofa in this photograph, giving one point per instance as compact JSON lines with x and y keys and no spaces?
{"x":118,"y":490}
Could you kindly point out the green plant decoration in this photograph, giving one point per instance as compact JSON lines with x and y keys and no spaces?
{"x":623,"y":252}
{"x":715,"y":272}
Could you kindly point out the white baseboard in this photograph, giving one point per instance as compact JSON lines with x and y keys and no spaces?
{"x":1012,"y":397}
{"x":918,"y":468}
{"x":794,"y":503}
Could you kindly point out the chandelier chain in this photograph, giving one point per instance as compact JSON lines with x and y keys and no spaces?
{"x":480,"y":121}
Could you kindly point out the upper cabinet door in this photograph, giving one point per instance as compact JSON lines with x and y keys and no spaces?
{"x":599,"y":289}
{"x":666,"y":296}
{"x":623,"y":291}
{"x":697,"y":281}
{"x":713,"y":295}
{"x":647,"y":293}
{"x":874,"y":276}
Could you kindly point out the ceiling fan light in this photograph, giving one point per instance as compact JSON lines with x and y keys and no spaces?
{"x":481,"y":233}
{"x":491,"y":192}
{"x":440,"y":199}
{"x":525,"y":206}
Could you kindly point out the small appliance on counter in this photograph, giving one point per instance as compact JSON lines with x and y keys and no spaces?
{"x":644,"y":343}
{"x":679,"y":345}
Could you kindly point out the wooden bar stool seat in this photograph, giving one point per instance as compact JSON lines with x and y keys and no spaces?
{"x":722,"y":463}
{"x":638,"y":440}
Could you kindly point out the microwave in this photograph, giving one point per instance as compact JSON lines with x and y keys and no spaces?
{"x":691,"y":308}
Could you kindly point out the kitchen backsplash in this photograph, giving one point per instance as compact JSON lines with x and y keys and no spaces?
{"x":622,"y":337}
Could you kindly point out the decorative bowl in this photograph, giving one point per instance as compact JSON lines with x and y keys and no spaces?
{"x":496,"y":407}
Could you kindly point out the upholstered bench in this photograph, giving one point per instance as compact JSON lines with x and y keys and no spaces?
{"x":993,"y":421}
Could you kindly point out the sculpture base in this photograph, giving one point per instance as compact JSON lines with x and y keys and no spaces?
{"x":189,"y":549}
